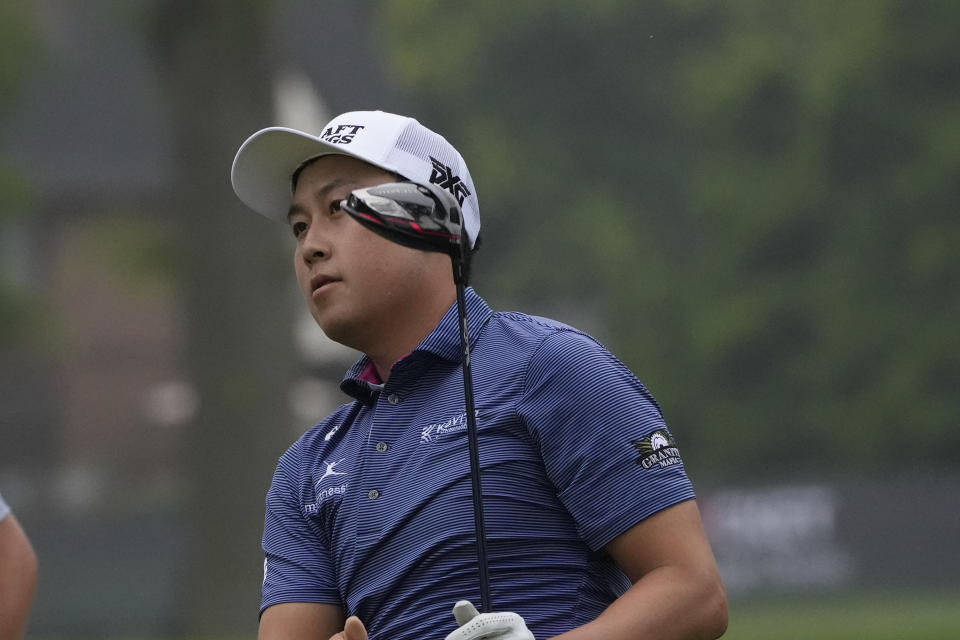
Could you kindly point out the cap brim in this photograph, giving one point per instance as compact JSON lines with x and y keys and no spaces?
{"x":264,"y":165}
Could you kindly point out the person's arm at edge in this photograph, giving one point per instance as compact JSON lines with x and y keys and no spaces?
{"x":300,"y":621}
{"x":18,"y":578}
{"x":677,"y":591}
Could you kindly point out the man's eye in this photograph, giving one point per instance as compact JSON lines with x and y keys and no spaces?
{"x":335,"y":206}
{"x":298,"y":228}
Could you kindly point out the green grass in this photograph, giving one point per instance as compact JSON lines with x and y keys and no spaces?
{"x":882,"y":617}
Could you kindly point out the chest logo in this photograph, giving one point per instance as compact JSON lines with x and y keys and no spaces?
{"x":437,"y":430}
{"x":332,"y":433}
{"x":332,"y":489}
{"x":330,"y":471}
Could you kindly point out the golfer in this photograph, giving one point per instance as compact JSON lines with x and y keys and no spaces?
{"x":592,"y":529}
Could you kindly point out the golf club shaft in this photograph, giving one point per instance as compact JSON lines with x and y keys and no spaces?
{"x":485,"y":604}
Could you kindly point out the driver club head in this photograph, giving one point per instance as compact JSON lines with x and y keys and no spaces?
{"x":420,"y":216}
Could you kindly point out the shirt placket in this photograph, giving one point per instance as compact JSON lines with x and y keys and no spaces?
{"x":379,"y":454}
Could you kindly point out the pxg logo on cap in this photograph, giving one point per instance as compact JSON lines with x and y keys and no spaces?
{"x":444,"y":176}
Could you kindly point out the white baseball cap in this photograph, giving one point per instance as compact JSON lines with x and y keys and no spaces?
{"x":263,"y":168}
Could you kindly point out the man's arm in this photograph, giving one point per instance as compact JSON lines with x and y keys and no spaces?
{"x":18,"y":578}
{"x":676,"y":592}
{"x":300,"y":621}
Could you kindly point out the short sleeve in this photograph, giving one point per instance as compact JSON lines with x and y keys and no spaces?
{"x":4,"y":509}
{"x":602,"y":437}
{"x":297,"y":564}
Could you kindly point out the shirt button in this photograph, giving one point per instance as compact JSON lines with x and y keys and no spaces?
{"x":381,"y":446}
{"x":374,"y":494}
{"x":393,"y":398}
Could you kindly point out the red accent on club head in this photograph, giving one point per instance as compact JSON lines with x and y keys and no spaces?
{"x":367,"y":216}
{"x":419,"y":229}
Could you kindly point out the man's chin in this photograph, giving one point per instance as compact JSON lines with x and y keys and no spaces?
{"x":339,"y":330}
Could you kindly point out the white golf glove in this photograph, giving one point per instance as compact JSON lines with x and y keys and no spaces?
{"x":487,"y":626}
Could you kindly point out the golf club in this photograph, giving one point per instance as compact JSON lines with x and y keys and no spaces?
{"x":425,"y":217}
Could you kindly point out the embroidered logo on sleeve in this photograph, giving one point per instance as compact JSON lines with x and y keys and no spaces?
{"x":658,"y":449}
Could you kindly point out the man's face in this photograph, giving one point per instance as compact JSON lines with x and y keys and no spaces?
{"x":356,"y":282}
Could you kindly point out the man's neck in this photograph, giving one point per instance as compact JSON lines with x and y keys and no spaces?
{"x":403,"y":335}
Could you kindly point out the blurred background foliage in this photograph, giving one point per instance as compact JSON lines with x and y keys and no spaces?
{"x":20,"y":311}
{"x":753,"y":204}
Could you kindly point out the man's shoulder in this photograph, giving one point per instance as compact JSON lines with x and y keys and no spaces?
{"x":545,"y":347}
{"x":531,"y":332}
{"x":320,"y":437}
{"x":534,"y":326}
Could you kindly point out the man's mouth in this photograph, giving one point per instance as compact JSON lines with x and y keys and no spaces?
{"x":319,"y":281}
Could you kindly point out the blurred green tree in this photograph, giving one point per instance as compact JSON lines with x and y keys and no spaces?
{"x":21,"y":311}
{"x":755,"y":204}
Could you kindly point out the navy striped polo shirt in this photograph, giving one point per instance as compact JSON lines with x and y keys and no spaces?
{"x":371,"y":509}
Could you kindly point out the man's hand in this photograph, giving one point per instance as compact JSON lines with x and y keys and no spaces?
{"x":353,"y":629}
{"x":487,"y":626}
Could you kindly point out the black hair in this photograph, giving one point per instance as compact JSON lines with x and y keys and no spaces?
{"x":296,"y":172}
{"x":468,"y":259}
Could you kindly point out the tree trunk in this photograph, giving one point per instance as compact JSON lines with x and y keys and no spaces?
{"x":237,"y":319}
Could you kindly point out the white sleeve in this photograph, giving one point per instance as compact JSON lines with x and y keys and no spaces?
{"x":4,"y":509}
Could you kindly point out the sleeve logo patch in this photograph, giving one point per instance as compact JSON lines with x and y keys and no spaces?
{"x":658,"y":449}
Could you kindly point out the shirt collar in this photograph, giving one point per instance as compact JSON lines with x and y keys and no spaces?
{"x":443,"y":342}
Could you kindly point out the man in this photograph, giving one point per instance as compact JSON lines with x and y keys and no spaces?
{"x":592,"y":528}
{"x":18,"y":575}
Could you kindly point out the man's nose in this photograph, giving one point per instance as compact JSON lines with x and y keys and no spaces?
{"x":315,"y":246}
